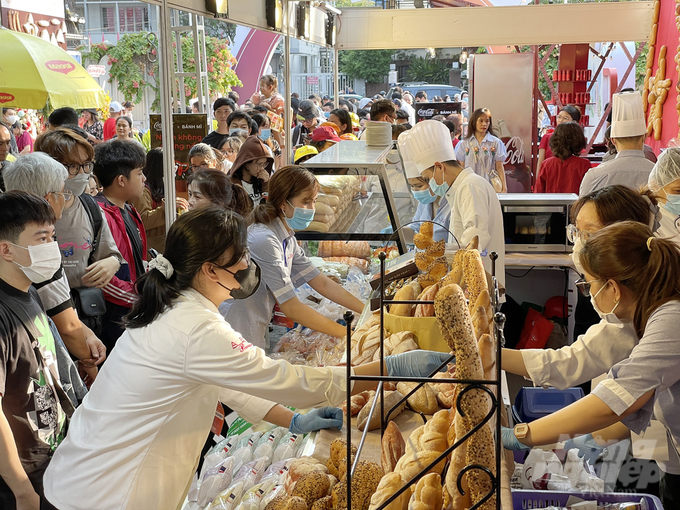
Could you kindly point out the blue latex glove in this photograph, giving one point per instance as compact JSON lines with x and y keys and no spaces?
{"x":316,"y":419}
{"x":415,"y":363}
{"x":510,"y":442}
{"x":387,"y":230}
{"x":587,"y":447}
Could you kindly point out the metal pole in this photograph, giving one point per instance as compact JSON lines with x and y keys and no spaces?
{"x":198,"y":63}
{"x":287,"y":121}
{"x":534,"y":122}
{"x":165,"y":68}
{"x":336,"y":77}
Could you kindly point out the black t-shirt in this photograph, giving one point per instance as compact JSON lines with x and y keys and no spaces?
{"x":28,"y":402}
{"x":215,"y":139}
{"x":135,"y":236}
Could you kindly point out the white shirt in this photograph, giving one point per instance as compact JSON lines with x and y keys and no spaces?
{"x":135,"y":440}
{"x":476,"y":211}
{"x":592,"y":355}
{"x":411,"y":112}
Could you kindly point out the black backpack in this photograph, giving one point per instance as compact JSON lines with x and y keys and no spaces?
{"x":94,"y":213}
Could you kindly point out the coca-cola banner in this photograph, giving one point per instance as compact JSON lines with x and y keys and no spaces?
{"x":425,"y":111}
{"x":503,"y":83}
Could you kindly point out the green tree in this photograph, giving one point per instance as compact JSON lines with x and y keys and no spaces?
{"x":220,"y":29}
{"x":370,"y":65}
{"x":429,"y":70}
{"x":641,"y":66}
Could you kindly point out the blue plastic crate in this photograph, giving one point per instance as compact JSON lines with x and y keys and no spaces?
{"x":534,"y":403}
{"x":525,"y":500}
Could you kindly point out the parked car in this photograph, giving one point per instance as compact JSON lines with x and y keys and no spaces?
{"x":358,"y":97}
{"x":430,"y":89}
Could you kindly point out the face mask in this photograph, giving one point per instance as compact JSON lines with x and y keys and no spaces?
{"x":45,"y":261}
{"x":327,"y":114}
{"x":266,"y":133}
{"x":578,"y":246}
{"x":301,"y":218}
{"x":12,"y":119}
{"x":672,"y":204}
{"x":438,"y":189}
{"x":609,"y":316}
{"x":232,"y":131}
{"x":77,"y":184}
{"x":248,"y":279}
{"x":424,"y":196}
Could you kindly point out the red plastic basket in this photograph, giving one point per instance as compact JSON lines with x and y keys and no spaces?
{"x":525,"y":499}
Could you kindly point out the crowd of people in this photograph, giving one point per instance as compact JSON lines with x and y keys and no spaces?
{"x":88,"y":273}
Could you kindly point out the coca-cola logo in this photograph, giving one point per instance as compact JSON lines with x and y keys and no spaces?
{"x":515,"y":150}
{"x":6,"y":97}
{"x":426,"y":113}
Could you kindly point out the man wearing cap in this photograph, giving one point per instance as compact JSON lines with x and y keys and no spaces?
{"x":630,"y":167}
{"x":324,"y":137}
{"x":475,"y":208}
{"x":308,"y":120}
{"x":115,"y":109}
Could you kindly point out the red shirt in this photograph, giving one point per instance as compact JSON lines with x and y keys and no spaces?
{"x":557,"y":176}
{"x":109,"y":128}
{"x":455,"y":142}
{"x":545,"y":144}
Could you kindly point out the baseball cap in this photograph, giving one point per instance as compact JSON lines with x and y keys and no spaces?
{"x":115,"y":107}
{"x":325,"y":134}
{"x":307,"y":110}
{"x":305,"y":150}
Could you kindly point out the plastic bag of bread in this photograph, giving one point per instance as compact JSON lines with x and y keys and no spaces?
{"x":228,"y":499}
{"x":332,"y":201}
{"x":362,"y":264}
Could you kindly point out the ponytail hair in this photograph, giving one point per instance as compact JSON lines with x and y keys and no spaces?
{"x":210,"y":234}
{"x":286,"y":184}
{"x":217,"y":187}
{"x":617,"y":203}
{"x":627,"y":253}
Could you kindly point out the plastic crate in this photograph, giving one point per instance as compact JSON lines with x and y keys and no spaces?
{"x":525,"y":500}
{"x":534,"y":403}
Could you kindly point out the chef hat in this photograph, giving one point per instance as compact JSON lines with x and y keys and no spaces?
{"x":628,"y":116}
{"x":666,"y":170}
{"x":410,"y":167}
{"x":429,"y":142}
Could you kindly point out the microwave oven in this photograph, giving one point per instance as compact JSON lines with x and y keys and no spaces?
{"x":536,"y":222}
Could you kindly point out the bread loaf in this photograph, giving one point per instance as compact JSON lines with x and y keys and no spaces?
{"x":325,"y":503}
{"x":427,"y":494}
{"x":475,"y":276}
{"x":424,"y":400}
{"x":389,"y":485}
{"x":338,"y":453}
{"x":393,"y":447}
{"x":425,"y":280}
{"x":391,"y":399}
{"x":357,"y":402}
{"x":301,"y":467}
{"x":480,"y":450}
{"x":396,"y":344}
{"x":457,"y":464}
{"x":413,"y":441}
{"x":434,"y":435}
{"x":311,"y":487}
{"x":484,"y":300}
{"x":409,"y":466}
{"x":480,"y":322}
{"x":406,"y":293}
{"x":427,"y":310}
{"x":437,"y":387}
{"x":365,"y":482}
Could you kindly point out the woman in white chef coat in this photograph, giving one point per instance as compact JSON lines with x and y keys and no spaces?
{"x":431,"y":207}
{"x":135,"y":440}
{"x":475,"y":208}
{"x":607,"y":342}
{"x":664,"y":180}
{"x":271,"y":238}
{"x":631,"y":276}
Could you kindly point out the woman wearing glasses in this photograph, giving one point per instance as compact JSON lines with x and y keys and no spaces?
{"x":271,"y":237}
{"x":604,"y":342}
{"x":632,"y":277}
{"x":252,"y":168}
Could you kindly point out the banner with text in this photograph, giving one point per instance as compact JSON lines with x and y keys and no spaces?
{"x":188,"y":129}
{"x":425,"y":111}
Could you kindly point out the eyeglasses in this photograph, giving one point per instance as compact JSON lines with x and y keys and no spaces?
{"x":584,"y":286}
{"x":75,"y":169}
{"x":193,"y":168}
{"x":261,"y":166}
{"x":574,"y":233}
{"x":68,"y":195}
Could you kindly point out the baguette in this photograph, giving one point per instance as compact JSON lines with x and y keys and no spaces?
{"x":424,"y":400}
{"x":426,"y":310}
{"x":475,"y":276}
{"x":480,"y":450}
{"x":480,"y":321}
{"x":460,"y":501}
{"x":393,"y":447}
{"x":427,"y":494}
{"x":406,"y":293}
{"x":391,"y":398}
{"x":487,"y":354}
{"x":484,"y":300}
{"x":389,"y":484}
{"x":473,"y":244}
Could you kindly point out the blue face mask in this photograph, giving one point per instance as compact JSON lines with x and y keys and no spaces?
{"x":265,"y":134}
{"x":327,"y":114}
{"x":672,"y":204}
{"x":438,"y":189}
{"x":424,"y":196}
{"x":301,"y":218}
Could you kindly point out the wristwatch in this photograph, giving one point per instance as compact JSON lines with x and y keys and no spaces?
{"x":521,"y":430}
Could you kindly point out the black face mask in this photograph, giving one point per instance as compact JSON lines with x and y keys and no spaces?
{"x":248,"y":279}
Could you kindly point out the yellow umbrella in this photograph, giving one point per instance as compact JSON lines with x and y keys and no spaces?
{"x":35,"y":73}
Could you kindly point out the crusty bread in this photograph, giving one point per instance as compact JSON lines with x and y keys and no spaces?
{"x":422,"y":241}
{"x":475,"y":275}
{"x":406,"y":293}
{"x":409,"y":466}
{"x":427,"y":494}
{"x":427,"y":310}
{"x":393,"y":447}
{"x":389,"y":484}
{"x":396,"y":344}
{"x":436,"y":429}
{"x":480,"y":322}
{"x":391,"y":399}
{"x":424,"y":400}
{"x":413,"y":441}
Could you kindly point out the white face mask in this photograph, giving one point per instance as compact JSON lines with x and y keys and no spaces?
{"x":578,"y":246}
{"x":77,"y":184}
{"x":12,"y":119}
{"x":609,"y":317}
{"x":45,"y":261}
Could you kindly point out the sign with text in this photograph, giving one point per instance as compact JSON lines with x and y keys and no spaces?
{"x":96,"y":70}
{"x":425,"y":111}
{"x":312,"y":80}
{"x":188,"y":129}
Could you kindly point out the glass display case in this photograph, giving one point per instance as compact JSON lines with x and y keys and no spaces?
{"x":364,"y":195}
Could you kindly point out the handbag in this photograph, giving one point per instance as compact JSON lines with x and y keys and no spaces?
{"x":90,"y":304}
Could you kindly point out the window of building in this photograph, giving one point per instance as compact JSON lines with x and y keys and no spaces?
{"x":108,"y":19}
{"x":133,"y":19}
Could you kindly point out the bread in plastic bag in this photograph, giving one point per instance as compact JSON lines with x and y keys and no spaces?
{"x":288,"y":447}
{"x":252,"y":498}
{"x":251,"y":473}
{"x":215,"y":480}
{"x":229,"y":498}
{"x":276,"y":491}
